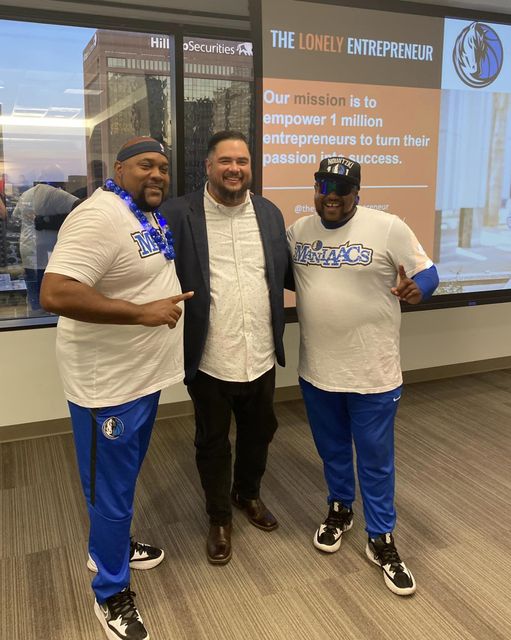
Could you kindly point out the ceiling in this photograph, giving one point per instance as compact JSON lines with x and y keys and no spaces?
{"x":225,"y":14}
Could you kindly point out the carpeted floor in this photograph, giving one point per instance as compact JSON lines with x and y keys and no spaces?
{"x":453,"y":445}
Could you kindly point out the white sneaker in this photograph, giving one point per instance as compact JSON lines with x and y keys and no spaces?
{"x":120,"y":618}
{"x":142,"y":556}
{"x":340,"y":519}
{"x":397,"y":576}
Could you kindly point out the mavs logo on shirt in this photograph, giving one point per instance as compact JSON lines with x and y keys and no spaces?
{"x":146,"y":245}
{"x":112,"y":428}
{"x":315,"y":253}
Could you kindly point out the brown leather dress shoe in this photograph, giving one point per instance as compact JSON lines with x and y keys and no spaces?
{"x":257,"y":512}
{"x":218,"y":544}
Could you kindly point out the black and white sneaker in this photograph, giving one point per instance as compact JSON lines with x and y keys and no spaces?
{"x":142,"y":556}
{"x":328,"y":536}
{"x":398,"y":578}
{"x":120,"y":618}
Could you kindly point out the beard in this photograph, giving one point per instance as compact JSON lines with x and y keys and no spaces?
{"x":344,"y":214}
{"x":143,"y":205}
{"x":231,"y":196}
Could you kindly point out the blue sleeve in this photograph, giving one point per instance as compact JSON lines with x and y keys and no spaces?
{"x":427,"y":281}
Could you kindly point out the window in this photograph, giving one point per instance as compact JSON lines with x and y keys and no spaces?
{"x":116,"y":62}
{"x":69,"y":98}
{"x":218,"y":94}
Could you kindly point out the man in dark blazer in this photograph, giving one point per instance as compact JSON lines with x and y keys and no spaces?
{"x":231,"y":251}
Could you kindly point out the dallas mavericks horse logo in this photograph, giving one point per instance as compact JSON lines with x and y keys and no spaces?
{"x":112,"y":428}
{"x":478,"y":55}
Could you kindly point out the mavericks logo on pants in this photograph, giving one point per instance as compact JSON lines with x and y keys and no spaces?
{"x":112,"y":428}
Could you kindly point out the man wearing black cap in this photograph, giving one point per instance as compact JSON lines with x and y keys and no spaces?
{"x":112,"y":279}
{"x":352,"y":266}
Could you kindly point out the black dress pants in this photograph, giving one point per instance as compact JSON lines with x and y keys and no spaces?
{"x":252,"y":404}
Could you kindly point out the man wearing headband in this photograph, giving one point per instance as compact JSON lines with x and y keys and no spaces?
{"x":231,"y":249}
{"x":112,"y":280}
{"x":352,"y":267}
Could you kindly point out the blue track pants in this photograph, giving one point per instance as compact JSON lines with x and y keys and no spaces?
{"x":339,"y":420}
{"x":111,"y":443}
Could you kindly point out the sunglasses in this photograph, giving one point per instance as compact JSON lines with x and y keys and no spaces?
{"x":326,"y":186}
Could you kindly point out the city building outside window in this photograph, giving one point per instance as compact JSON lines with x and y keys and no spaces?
{"x":69,"y":98}
{"x":218,"y":94}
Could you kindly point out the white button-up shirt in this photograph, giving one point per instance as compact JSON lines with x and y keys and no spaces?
{"x":239,"y":346}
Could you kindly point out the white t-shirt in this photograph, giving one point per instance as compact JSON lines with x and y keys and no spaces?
{"x":103,"y":245}
{"x":239,"y":346}
{"x":349,"y":319}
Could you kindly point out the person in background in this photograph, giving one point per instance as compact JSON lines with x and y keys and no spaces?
{"x":112,"y":279}
{"x":352,"y":267}
{"x":41,"y":210}
{"x":231,"y":251}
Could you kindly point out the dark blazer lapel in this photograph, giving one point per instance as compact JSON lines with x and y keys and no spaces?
{"x":263,"y":220}
{"x":197,"y":222}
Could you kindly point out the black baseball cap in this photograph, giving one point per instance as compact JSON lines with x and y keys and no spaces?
{"x":339,"y":169}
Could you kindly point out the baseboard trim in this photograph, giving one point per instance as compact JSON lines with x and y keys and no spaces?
{"x":456,"y":370}
{"x":31,"y":430}
{"x":60,"y":426}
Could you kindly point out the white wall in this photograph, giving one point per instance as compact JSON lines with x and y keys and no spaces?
{"x":450,"y":336}
{"x":30,"y":389}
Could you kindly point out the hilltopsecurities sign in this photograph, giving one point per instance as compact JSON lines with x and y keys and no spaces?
{"x":206,"y":46}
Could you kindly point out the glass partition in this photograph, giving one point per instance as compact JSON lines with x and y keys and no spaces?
{"x":69,"y":98}
{"x":218,"y":94}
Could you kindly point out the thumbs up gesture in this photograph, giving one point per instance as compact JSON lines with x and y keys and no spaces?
{"x":406,"y":288}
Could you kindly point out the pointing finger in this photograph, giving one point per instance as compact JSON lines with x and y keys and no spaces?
{"x":181,"y":297}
